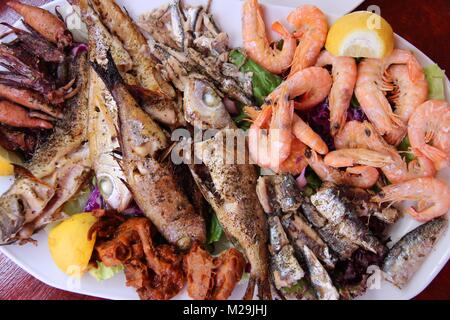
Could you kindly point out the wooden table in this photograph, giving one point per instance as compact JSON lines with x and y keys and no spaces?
{"x":424,"y":24}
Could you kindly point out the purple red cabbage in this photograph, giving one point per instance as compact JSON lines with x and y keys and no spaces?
{"x":355,"y":113}
{"x":133,"y":211}
{"x":79,"y":48}
{"x":318,"y":119}
{"x":95,"y":201}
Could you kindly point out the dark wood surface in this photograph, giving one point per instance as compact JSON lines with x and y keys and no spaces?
{"x":426,"y":24}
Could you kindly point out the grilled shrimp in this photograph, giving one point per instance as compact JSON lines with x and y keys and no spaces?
{"x":360,"y":176}
{"x":433,"y":197}
{"x":270,"y":148}
{"x":350,"y":157}
{"x":344,"y":72}
{"x":16,"y":116}
{"x":45,"y":23}
{"x":303,"y":132}
{"x":371,"y":85}
{"x":428,"y":131}
{"x":363,"y":135}
{"x":312,"y":84}
{"x":29,"y":99}
{"x":407,"y":96}
{"x":257,"y":45}
{"x":312,"y":28}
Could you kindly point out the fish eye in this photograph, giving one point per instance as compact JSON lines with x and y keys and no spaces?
{"x":210,"y":98}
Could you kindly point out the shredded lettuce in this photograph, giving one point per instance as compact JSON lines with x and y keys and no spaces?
{"x":436,"y":82}
{"x":78,"y":203}
{"x":263,"y":81}
{"x":313,"y":182}
{"x":103,"y":272}
{"x":405,"y":148}
{"x":215,"y":230}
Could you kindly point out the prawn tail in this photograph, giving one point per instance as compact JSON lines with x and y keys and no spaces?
{"x":439,"y":157}
{"x":281,"y":30}
{"x":264,"y":292}
{"x":250,"y":292}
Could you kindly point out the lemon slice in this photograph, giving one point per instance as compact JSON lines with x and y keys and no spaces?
{"x":6,"y":160}
{"x":361,"y":34}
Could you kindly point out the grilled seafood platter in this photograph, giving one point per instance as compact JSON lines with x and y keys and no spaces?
{"x":163,"y":150}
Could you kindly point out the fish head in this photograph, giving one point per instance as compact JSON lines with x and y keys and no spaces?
{"x":11,"y":217}
{"x":203,"y":107}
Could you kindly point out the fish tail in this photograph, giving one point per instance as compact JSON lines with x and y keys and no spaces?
{"x":264,"y":292}
{"x":249,"y":293}
{"x":109,"y":73}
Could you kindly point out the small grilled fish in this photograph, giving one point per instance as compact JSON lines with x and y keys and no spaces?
{"x":203,"y":107}
{"x":151,"y":182}
{"x":329,"y":203}
{"x":103,"y":113}
{"x":359,"y":200}
{"x":319,"y":277}
{"x":120,"y":24}
{"x":278,"y":194}
{"x":55,"y":173}
{"x":286,"y":270}
{"x":302,"y":234}
{"x":342,"y":246}
{"x":408,"y":254}
{"x":231,"y":191}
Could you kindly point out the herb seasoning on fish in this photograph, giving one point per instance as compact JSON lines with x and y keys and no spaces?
{"x":151,"y":182}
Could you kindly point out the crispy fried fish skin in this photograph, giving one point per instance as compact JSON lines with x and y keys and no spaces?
{"x":408,"y":254}
{"x":231,"y":191}
{"x":120,"y":24}
{"x":332,"y":207}
{"x":151,"y":182}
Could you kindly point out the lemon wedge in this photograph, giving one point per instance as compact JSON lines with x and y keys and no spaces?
{"x":6,"y":160}
{"x":361,"y":34}
{"x":69,"y":245}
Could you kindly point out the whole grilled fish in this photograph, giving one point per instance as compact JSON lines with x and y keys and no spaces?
{"x":302,"y":234}
{"x":103,"y":113}
{"x":121,"y":24}
{"x":55,"y":173}
{"x":151,"y":182}
{"x":285,"y":268}
{"x":408,"y":254}
{"x":342,"y":246}
{"x":231,"y":191}
{"x":330,"y":205}
{"x":319,"y":277}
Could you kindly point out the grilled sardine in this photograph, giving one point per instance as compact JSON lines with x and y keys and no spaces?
{"x":408,"y":254}
{"x":330,"y":205}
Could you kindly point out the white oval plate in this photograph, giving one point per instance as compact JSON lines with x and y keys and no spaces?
{"x":36,"y":260}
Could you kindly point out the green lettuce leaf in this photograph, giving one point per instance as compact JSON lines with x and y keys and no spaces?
{"x":215,"y":230}
{"x":436,"y":82}
{"x":103,"y":272}
{"x":263,"y":81}
{"x":405,"y":148}
{"x":313,"y":182}
{"x":78,"y":202}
